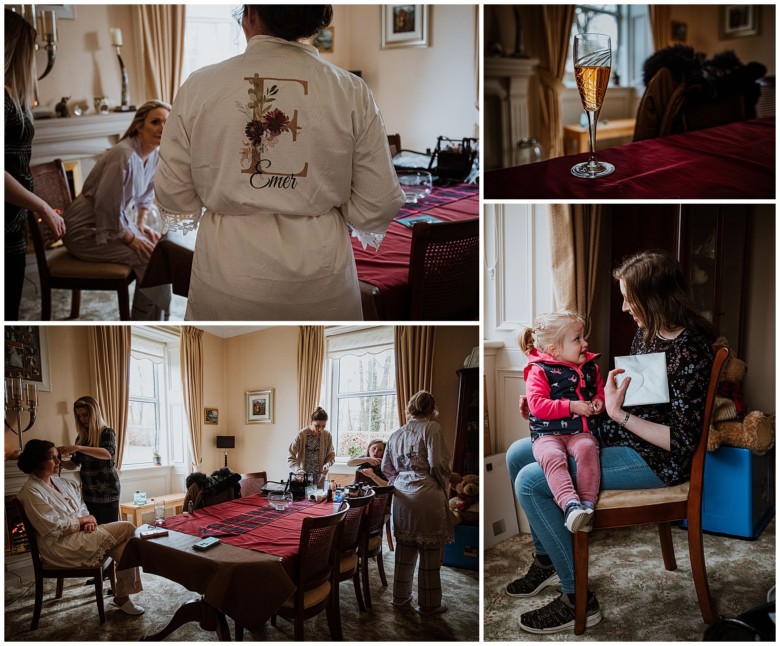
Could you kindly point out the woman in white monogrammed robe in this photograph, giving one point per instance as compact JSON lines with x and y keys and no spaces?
{"x":283,"y":150}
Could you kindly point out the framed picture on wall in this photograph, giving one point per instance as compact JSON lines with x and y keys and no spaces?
{"x":739,"y":20}
{"x":323,"y":41}
{"x":679,"y":32}
{"x":404,"y":25}
{"x":260,"y":406}
{"x":211,"y":415}
{"x":27,"y":355}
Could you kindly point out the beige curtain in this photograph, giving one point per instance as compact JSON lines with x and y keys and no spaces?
{"x":162,"y":30}
{"x":661,"y":25}
{"x":311,"y":355}
{"x":191,"y":352}
{"x":557,"y":20}
{"x":574,"y":246}
{"x":414,"y":345}
{"x":109,"y":358}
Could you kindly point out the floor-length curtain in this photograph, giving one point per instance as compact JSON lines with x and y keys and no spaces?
{"x":557,"y":21}
{"x":574,"y":248}
{"x":414,"y":345}
{"x":109,"y":358}
{"x":162,"y":30}
{"x":661,"y":25}
{"x":311,"y":355}
{"x":191,"y":352}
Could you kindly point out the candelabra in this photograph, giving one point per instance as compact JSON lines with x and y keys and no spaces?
{"x":519,"y":45}
{"x":116,"y":41}
{"x":14,"y":400}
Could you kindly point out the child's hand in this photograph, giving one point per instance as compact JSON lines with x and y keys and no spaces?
{"x":583,"y":409}
{"x":597,"y":406}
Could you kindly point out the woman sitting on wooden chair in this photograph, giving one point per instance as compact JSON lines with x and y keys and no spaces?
{"x":370,"y":465}
{"x":68,"y":535}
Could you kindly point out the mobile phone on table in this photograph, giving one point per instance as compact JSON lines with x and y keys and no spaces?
{"x":206,"y":544}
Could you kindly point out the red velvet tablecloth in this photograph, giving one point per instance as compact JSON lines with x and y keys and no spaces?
{"x":388,"y":267}
{"x":735,"y":161}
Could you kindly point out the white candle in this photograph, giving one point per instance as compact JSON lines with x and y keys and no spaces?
{"x":35,"y":394}
{"x":5,"y":384}
{"x":49,"y":20}
{"x":116,"y":37}
{"x":20,"y":389}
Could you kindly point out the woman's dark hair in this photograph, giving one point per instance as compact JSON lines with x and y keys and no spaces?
{"x":658,"y":293}
{"x":293,"y":22}
{"x":33,"y":456}
{"x":319,"y":415}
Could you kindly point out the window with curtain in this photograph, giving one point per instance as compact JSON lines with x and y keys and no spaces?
{"x":629,"y":28}
{"x":213,"y":24}
{"x":359,"y":387}
{"x":155,"y":422}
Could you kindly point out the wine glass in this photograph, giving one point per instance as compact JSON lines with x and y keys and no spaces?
{"x":592,"y":65}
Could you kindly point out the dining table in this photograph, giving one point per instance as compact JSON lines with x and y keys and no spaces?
{"x":732,"y":161}
{"x":247,"y":576}
{"x":383,"y":273}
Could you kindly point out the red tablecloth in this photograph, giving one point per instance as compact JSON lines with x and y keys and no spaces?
{"x":735,"y":161}
{"x":278,"y":535}
{"x":388,"y":268}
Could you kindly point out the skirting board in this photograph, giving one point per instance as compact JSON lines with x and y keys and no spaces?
{"x":500,"y":512}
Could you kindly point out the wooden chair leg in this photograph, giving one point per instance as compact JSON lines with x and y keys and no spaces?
{"x":38,"y":604}
{"x":273,"y":620}
{"x":99,"y":596}
{"x":667,"y":546}
{"x":298,"y":630}
{"x":389,"y":535}
{"x":60,"y":582}
{"x":580,"y":540}
{"x":124,"y":303}
{"x":380,"y":564}
{"x":699,"y":570}
{"x":75,"y":303}
{"x":45,"y":303}
{"x":358,"y":591}
{"x":239,"y":632}
{"x":333,"y":612}
{"x":366,"y":587}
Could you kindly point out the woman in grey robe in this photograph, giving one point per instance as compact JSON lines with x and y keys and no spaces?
{"x":417,"y":462}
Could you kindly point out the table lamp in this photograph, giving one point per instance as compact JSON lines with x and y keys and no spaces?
{"x":226,"y":442}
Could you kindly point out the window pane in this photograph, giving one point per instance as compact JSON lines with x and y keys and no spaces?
{"x":367,"y":373}
{"x":362,"y":419}
{"x":142,"y":378}
{"x":142,"y":437}
{"x":215,"y":25}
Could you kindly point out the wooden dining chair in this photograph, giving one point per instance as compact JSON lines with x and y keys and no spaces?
{"x":361,"y":478}
{"x":394,"y":141}
{"x":43,"y":571}
{"x":444,"y":271}
{"x":57,"y":268}
{"x":665,"y":505}
{"x":371,"y":537}
{"x":252,"y":483}
{"x":318,"y":552}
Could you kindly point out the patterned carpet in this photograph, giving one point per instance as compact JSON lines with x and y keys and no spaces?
{"x":639,"y":599}
{"x":75,"y":618}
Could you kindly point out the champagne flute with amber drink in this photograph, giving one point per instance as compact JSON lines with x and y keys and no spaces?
{"x":592,"y":66}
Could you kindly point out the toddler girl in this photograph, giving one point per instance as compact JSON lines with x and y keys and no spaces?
{"x":564,"y":388}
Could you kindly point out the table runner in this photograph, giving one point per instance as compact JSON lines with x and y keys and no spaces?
{"x":735,"y":161}
{"x":245,"y":522}
{"x":440,"y":196}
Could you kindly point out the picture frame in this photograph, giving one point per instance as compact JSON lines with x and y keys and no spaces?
{"x":405,"y":25}
{"x":27,"y":355}
{"x":739,"y":20}
{"x":323,"y":41}
{"x":260,"y":406}
{"x":62,"y":11}
{"x":211,"y":415}
{"x":679,"y":32}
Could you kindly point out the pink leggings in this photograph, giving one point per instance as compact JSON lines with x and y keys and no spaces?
{"x":552,"y":451}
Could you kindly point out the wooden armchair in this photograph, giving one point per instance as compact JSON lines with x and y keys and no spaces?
{"x":663,"y":506}
{"x":252,"y":483}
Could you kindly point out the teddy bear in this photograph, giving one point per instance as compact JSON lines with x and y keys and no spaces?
{"x":731,"y":422}
{"x":465,"y":502}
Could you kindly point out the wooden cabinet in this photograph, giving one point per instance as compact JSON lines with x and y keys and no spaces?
{"x":710,"y":241}
{"x":466,"y":452}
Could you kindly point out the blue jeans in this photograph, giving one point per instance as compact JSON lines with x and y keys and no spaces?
{"x":621,"y":468}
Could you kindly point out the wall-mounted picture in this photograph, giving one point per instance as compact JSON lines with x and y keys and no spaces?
{"x":679,"y":32}
{"x":66,"y":11}
{"x":27,"y":355}
{"x":211,"y":415}
{"x":260,"y":406}
{"x":739,"y":20}
{"x":323,"y":41}
{"x":404,"y":25}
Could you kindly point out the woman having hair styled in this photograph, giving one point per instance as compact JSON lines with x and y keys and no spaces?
{"x":18,"y":182}
{"x":286,"y":153}
{"x":101,"y":226}
{"x":94,"y":451}
{"x":68,"y":535}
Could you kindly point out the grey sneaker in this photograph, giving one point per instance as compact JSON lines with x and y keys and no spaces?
{"x":558,"y":615}
{"x":576,"y":516}
{"x":535,"y":580}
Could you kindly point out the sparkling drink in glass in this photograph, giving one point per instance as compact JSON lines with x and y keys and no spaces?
{"x":592,"y":67}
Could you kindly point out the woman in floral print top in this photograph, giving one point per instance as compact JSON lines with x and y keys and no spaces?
{"x":647,"y":447}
